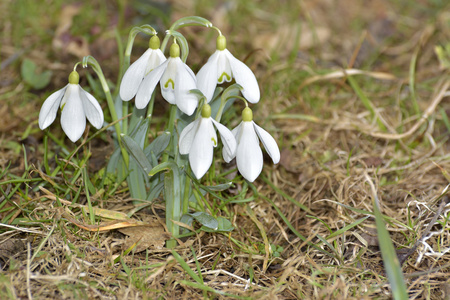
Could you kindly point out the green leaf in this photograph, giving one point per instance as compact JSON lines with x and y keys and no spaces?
{"x":32,"y":77}
{"x":206,"y":220}
{"x":137,"y":153}
{"x":187,"y":219}
{"x":224,"y":224}
{"x":388,"y":253}
{"x":158,"y":145}
{"x":443,"y":54}
{"x":186,"y":267}
{"x":217,"y":188}
{"x":390,"y":259}
{"x":139,"y":134}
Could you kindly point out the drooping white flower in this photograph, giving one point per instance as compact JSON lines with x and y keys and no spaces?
{"x":176,"y":80}
{"x":76,"y":105}
{"x":199,"y":138}
{"x":135,"y":74}
{"x":223,"y":66}
{"x":249,"y":157}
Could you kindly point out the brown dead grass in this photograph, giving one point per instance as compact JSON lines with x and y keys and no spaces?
{"x":327,"y":147}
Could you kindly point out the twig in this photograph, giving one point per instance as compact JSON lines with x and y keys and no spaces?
{"x":29,"y":271}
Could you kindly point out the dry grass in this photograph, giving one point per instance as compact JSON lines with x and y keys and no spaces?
{"x":316,"y":204}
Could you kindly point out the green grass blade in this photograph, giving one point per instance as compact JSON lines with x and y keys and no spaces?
{"x":390,"y":260}
{"x":186,"y":268}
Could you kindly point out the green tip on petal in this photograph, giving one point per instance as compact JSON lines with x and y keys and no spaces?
{"x":74,"y":78}
{"x":221,"y":43}
{"x":154,"y":42}
{"x":206,"y":111}
{"x":174,"y":50}
{"x":247,"y":114}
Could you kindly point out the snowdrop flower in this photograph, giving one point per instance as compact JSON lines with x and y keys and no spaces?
{"x":199,"y":138}
{"x":176,"y":80}
{"x":222,"y":66}
{"x":76,"y":105}
{"x":249,"y":158}
{"x":136,"y":73}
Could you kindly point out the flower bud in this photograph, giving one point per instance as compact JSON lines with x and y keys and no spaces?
{"x":174,"y":50}
{"x":221,"y":43}
{"x":206,"y":111}
{"x":154,"y":42}
{"x":74,"y":78}
{"x":247,"y":114}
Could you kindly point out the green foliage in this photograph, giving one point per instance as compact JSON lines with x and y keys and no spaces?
{"x":443,"y":54}
{"x":37,"y":80}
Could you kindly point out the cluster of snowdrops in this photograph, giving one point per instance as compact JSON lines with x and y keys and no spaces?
{"x":192,"y":97}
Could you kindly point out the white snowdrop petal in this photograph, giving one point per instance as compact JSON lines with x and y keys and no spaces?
{"x":201,"y":152}
{"x":212,"y":132}
{"x":133,"y":76}
{"x":184,"y":82}
{"x":249,"y":158}
{"x":92,"y":109}
{"x":236,"y":132}
{"x":73,"y":119}
{"x":156,"y":58}
{"x":228,"y":140}
{"x":49,"y":109}
{"x":245,"y":77}
{"x":147,"y":86}
{"x":269,"y":143}
{"x":187,"y":136}
{"x":224,"y":70}
{"x":207,"y":77}
{"x":168,"y":79}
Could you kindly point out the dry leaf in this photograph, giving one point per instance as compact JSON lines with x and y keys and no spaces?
{"x":63,"y":40}
{"x":106,"y":226}
{"x":152,"y":236}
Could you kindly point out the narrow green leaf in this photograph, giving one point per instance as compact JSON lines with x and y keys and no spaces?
{"x":206,"y":220}
{"x":388,"y":253}
{"x":137,"y":153}
{"x":346,"y":228}
{"x":158,"y":145}
{"x":217,"y":188}
{"x":365,"y":101}
{"x":186,"y":268}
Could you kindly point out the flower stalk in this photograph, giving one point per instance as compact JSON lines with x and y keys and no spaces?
{"x":91,"y":61}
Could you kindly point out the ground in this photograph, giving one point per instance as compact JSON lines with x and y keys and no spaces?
{"x":356,"y":93}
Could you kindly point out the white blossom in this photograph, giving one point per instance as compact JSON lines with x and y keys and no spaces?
{"x":199,"y":138}
{"x":223,"y":66}
{"x":135,"y":74}
{"x":249,"y":157}
{"x":76,"y":105}
{"x":176,"y":80}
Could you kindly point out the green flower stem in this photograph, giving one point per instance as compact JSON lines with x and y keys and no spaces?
{"x":146,"y":29}
{"x":91,"y":61}
{"x":170,"y":128}
{"x":220,"y":111}
{"x":223,"y":102}
{"x":185,"y":204}
{"x":150,"y":106}
{"x":124,"y":113}
{"x":173,"y":205}
{"x":172,"y":208}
